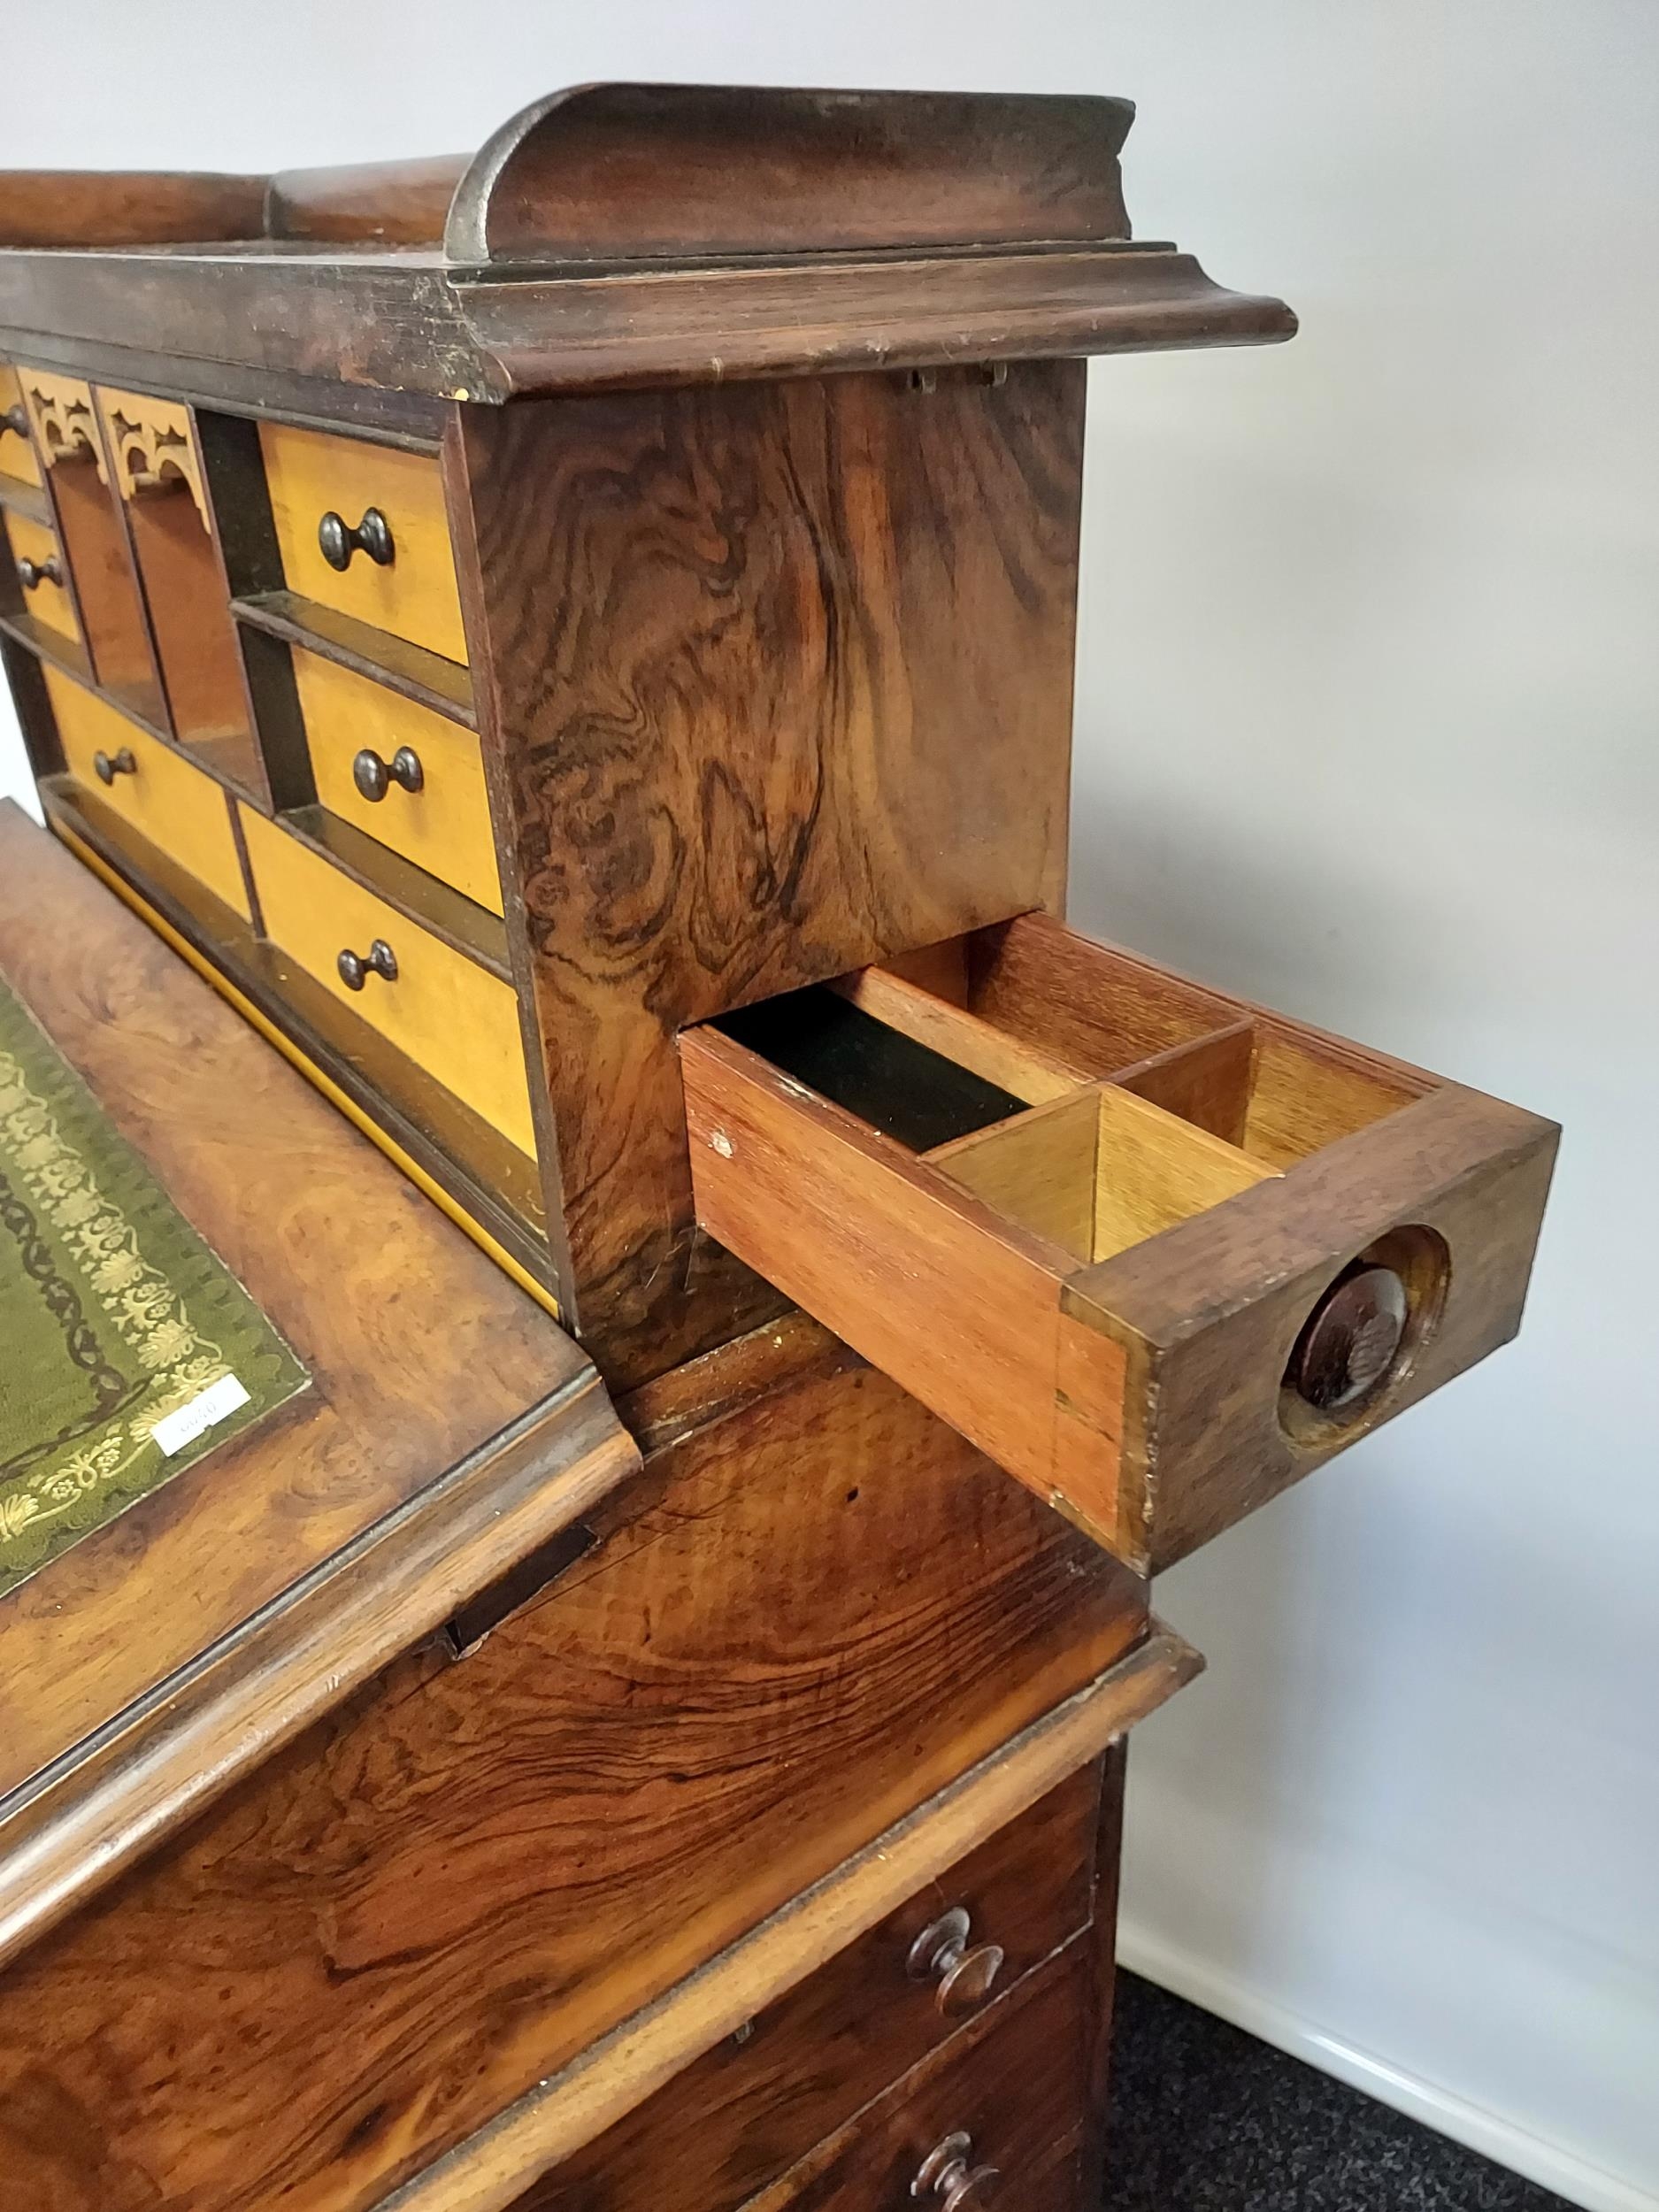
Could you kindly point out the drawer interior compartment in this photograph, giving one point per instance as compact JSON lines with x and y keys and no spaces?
{"x":362,"y":528}
{"x":1021,"y":1205}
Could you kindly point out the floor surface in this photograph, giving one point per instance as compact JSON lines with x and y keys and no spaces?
{"x":1207,"y":2119}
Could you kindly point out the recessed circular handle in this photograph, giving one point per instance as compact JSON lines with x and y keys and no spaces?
{"x":107,"y":769}
{"x":16,"y":418}
{"x":375,"y":777}
{"x":965,"y":1975}
{"x":355,"y":968}
{"x":1351,"y":1340}
{"x":338,"y":541}
{"x":949,"y":2175}
{"x":33,"y":575}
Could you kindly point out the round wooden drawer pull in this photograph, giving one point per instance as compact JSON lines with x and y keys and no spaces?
{"x":1349,"y":1342}
{"x":941,"y":1954}
{"x":949,"y":2175}
{"x":16,"y":418}
{"x":107,"y":769}
{"x":375,"y":777}
{"x":32,"y":574}
{"x":339,"y":540}
{"x":355,"y":968}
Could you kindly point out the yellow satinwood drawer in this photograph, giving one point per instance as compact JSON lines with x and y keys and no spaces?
{"x":442,"y":822}
{"x":412,"y":592}
{"x":452,"y":1017}
{"x":44,"y":576}
{"x":174,"y":806}
{"x":17,"y":455}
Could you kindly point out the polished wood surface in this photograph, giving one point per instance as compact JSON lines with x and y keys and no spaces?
{"x":177,"y":805}
{"x":643,"y":172}
{"x":414,"y":594}
{"x":419,"y":1349}
{"x":762,"y":2099}
{"x":445,"y":825}
{"x":132,"y":207}
{"x":448,"y":1014}
{"x":842,"y":612}
{"x":448,"y":1884}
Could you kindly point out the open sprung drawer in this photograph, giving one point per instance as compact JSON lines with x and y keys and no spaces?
{"x":1156,"y":1252}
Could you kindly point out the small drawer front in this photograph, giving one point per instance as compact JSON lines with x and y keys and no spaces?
{"x":43,"y":576}
{"x":410,"y":589}
{"x":17,"y":453}
{"x":996,"y":2117}
{"x":179,"y":809}
{"x":453,"y":1019}
{"x":756,"y":2103}
{"x":1018,"y":1206}
{"x":420,"y":788}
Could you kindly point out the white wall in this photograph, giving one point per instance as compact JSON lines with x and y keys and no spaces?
{"x":1366,"y":728}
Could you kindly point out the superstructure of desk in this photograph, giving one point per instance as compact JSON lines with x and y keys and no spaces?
{"x":576,"y":645}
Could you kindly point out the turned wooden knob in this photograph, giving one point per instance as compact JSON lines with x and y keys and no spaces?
{"x":107,"y":769}
{"x":1351,"y":1338}
{"x":32,"y":574}
{"x":16,"y":418}
{"x":375,"y":777}
{"x":355,"y":968}
{"x":338,"y":541}
{"x":941,"y":1954}
{"x":948,"y":2175}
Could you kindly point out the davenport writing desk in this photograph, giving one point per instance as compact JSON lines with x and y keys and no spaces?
{"x":576,"y":646}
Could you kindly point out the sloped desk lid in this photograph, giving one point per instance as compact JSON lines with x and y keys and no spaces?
{"x":449,"y":1428}
{"x":615,"y":234}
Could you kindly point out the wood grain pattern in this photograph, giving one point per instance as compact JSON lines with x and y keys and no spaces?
{"x":946,"y":1027}
{"x":1207,"y":1314}
{"x":167,"y":800}
{"x":138,"y":207}
{"x":642,"y":171}
{"x":970,"y":1320}
{"x":445,"y":825}
{"x":1014,"y":2082}
{"x":378,"y":202}
{"x":760,"y":2099}
{"x":418,"y":1348}
{"x":562,"y":2116}
{"x":428,"y":1909}
{"x":448,"y":1014}
{"x":110,"y":603}
{"x":414,"y":597}
{"x":778,"y":685}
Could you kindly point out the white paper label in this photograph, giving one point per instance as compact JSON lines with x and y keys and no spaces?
{"x":199,"y":1413}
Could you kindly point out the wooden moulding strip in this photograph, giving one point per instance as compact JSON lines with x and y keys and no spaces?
{"x":491,"y":2170}
{"x":291,"y":1052}
{"x":201,"y":1730}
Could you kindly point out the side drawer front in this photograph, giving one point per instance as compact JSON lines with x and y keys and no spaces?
{"x":47,"y":599}
{"x":735,"y":2121}
{"x":1010,"y":2093}
{"x":452,"y":1017}
{"x":179,"y":809}
{"x":310,"y":474}
{"x":17,"y":454}
{"x":443,"y":826}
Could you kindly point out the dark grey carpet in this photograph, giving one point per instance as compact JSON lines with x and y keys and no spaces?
{"x":1207,"y":2119}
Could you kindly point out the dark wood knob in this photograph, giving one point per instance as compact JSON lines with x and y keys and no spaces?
{"x":339,"y":540}
{"x":32,"y":574}
{"x":16,"y":418}
{"x":1351,"y":1340}
{"x":122,"y":764}
{"x":355,"y":968}
{"x":948,"y":2175}
{"x":941,"y":1954}
{"x":375,"y":777}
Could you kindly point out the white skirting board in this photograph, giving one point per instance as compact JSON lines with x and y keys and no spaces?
{"x":1494,"y":2136}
